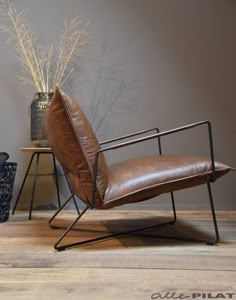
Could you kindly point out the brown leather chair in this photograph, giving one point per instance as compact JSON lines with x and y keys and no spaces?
{"x":103,"y":186}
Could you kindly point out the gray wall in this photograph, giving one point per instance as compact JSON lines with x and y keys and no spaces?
{"x":150,"y":63}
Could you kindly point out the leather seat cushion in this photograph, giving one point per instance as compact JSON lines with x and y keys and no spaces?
{"x":142,"y":178}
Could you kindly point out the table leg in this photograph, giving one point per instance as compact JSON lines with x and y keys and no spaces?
{"x":23,"y":183}
{"x":56,"y":180}
{"x":34,"y":185}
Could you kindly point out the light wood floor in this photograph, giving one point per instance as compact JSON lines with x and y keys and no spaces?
{"x":124,"y":268}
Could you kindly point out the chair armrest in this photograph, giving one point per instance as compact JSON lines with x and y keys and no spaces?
{"x":129,"y":135}
{"x":164,"y":133}
{"x":132,"y":135}
{"x":158,"y":135}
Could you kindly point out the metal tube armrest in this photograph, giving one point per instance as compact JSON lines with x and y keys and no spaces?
{"x":129,"y":135}
{"x":132,"y":135}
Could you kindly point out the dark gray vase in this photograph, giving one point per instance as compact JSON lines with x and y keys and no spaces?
{"x":37,"y":109}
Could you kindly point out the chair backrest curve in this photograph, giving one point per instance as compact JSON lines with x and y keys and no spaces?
{"x":74,"y":144}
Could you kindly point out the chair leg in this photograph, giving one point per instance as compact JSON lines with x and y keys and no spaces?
{"x":187,"y":238}
{"x":104,"y":237}
{"x":217,"y":236}
{"x":173,"y":207}
{"x":58,"y":211}
{"x":137,"y":231}
{"x":68,"y":183}
{"x":108,"y":235}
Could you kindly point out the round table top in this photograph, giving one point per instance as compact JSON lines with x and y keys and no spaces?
{"x":36,"y":149}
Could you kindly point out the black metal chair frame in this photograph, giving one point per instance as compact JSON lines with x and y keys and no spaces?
{"x":90,"y":204}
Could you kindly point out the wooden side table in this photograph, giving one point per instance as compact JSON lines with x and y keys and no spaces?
{"x":36,"y":153}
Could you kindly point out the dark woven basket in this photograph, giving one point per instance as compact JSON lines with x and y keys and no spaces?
{"x":7,"y":178}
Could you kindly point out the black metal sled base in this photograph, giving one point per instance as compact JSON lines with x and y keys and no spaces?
{"x":137,"y":231}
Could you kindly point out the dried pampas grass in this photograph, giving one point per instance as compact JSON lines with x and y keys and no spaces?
{"x":45,"y":67}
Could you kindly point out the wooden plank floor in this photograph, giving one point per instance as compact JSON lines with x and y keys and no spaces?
{"x":122,"y":268}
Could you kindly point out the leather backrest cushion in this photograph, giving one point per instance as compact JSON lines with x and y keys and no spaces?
{"x":74,"y":143}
